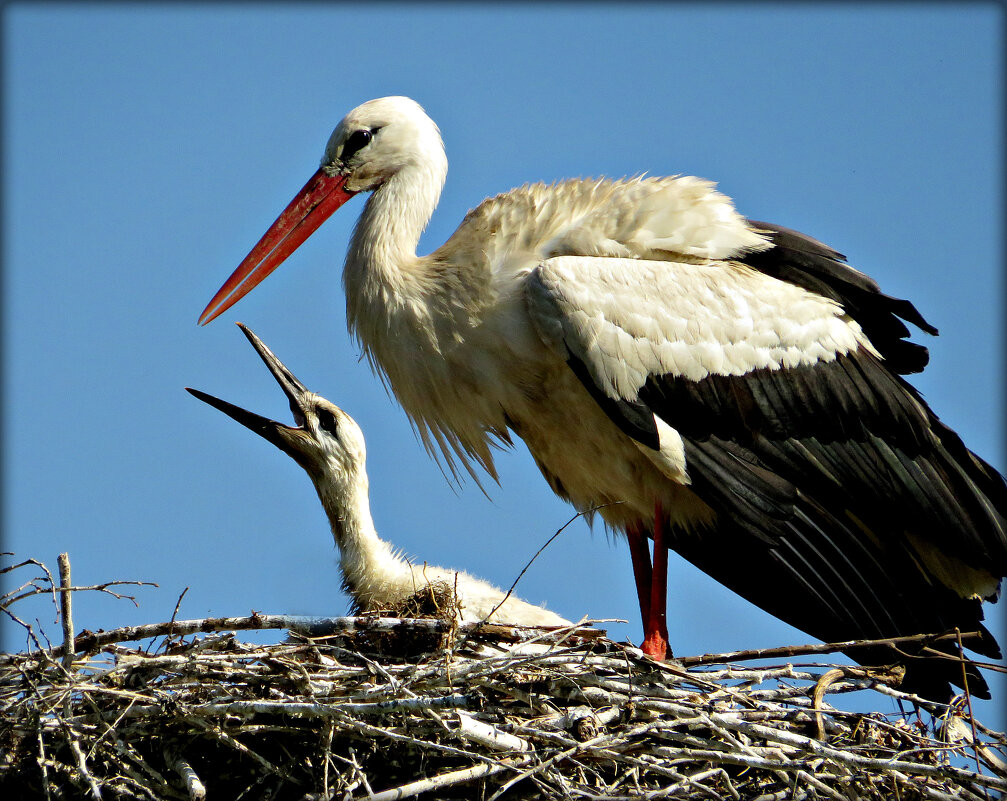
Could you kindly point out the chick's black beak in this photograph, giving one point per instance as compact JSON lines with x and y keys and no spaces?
{"x":289,"y":439}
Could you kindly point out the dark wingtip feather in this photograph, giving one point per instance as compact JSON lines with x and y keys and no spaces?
{"x":908,"y":312}
{"x":799,"y":259}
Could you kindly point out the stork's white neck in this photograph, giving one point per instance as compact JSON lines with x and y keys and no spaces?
{"x":367,"y":561}
{"x":419,"y":319}
{"x":383,"y":246}
{"x":400,"y":306}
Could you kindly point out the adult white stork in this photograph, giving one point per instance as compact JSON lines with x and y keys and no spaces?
{"x":730,"y":388}
{"x":329,"y":445}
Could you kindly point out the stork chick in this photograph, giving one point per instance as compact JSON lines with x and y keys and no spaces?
{"x":329,"y":445}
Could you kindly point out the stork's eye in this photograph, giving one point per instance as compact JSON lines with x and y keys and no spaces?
{"x":355,"y":142}
{"x":327,"y":421}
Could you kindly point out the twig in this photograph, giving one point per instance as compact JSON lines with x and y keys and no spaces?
{"x":27,"y":627}
{"x":819,"y":648}
{"x":193,"y":785}
{"x":311,"y":627}
{"x":178,"y":604}
{"x":7,"y":601}
{"x":66,"y":609}
{"x":81,"y":761}
{"x":968,"y":701}
{"x":447,"y":780}
{"x":42,"y":760}
{"x":548,"y":542}
{"x":469,"y":728}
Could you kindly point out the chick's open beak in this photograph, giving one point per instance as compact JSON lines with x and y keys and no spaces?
{"x":290,"y":439}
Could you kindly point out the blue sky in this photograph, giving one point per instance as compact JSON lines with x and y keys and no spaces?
{"x":148,"y":147}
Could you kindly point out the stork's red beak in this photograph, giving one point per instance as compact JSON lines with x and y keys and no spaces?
{"x":312,"y":206}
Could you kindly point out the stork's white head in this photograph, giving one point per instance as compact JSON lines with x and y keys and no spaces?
{"x":326,"y":441}
{"x":376,"y":142}
{"x":380,"y":138}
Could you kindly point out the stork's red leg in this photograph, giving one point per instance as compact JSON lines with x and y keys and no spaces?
{"x":655,"y":620}
{"x":639,"y":550}
{"x":651,"y":584}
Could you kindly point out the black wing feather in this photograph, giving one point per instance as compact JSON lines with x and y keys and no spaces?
{"x":822,"y":570}
{"x":632,"y":417}
{"x":806,"y":262}
{"x":876,"y":445}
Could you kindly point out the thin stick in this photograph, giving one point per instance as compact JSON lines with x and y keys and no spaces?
{"x":171,"y":633}
{"x":81,"y":760}
{"x":41,"y":759}
{"x":968,"y":700}
{"x":312,"y":627}
{"x":66,"y":609}
{"x":27,"y":627}
{"x":446,"y":780}
{"x":485,"y":734}
{"x":178,"y":605}
{"x":524,"y":570}
{"x":818,"y":648}
{"x":52,"y":584}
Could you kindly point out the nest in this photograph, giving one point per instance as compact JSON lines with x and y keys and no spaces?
{"x":392,"y":708}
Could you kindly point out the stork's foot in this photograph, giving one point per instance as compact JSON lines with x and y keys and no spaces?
{"x":655,"y":645}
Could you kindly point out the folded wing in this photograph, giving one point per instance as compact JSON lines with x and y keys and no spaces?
{"x":843,"y":505}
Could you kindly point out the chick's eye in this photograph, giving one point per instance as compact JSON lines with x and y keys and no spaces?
{"x":355,"y":142}
{"x":327,"y":421}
